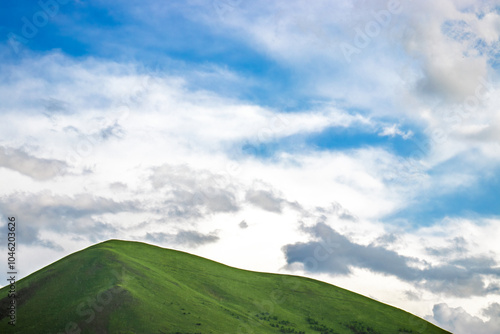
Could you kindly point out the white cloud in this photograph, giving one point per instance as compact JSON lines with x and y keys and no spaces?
{"x":392,"y":131}
{"x":412,"y":68}
{"x":105,"y":99}
{"x":458,"y":321}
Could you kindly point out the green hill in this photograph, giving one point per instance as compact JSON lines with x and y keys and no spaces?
{"x":131,"y":287}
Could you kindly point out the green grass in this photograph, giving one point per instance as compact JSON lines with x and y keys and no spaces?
{"x":131,"y":287}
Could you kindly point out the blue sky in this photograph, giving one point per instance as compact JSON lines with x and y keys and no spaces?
{"x":167,"y":42}
{"x":149,"y":120}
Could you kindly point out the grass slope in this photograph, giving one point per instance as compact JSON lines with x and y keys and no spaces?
{"x":131,"y":287}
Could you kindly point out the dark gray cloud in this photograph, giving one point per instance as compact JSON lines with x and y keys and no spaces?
{"x":333,"y":253}
{"x":266,"y":200}
{"x":36,"y":168}
{"x":61,"y":214}
{"x":186,"y":238}
{"x":336,"y":254}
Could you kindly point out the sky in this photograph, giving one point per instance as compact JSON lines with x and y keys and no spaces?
{"x":355,"y":142}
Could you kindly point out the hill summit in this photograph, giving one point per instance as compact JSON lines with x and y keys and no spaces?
{"x":131,"y":287}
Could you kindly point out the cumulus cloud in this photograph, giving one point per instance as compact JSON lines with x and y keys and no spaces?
{"x":26,"y":164}
{"x":446,"y":45}
{"x":333,"y":253}
{"x":458,"y":321}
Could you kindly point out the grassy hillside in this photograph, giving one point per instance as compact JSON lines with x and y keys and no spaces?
{"x":131,"y":287}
